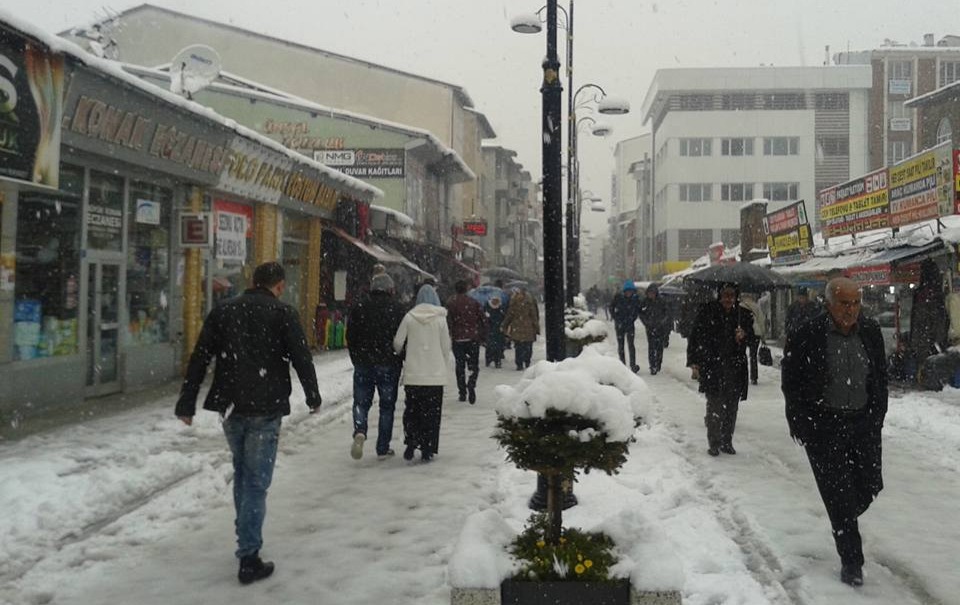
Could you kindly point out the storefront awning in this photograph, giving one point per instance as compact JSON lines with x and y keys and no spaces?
{"x":379,"y":252}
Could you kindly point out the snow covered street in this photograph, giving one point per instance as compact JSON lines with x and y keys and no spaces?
{"x":136,"y":508}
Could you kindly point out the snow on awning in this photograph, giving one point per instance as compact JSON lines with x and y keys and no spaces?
{"x":401,"y":218}
{"x":379,"y":252}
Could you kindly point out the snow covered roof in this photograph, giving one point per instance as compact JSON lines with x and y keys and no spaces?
{"x":402,"y":218}
{"x":472,"y":245}
{"x":933,"y":95}
{"x":341,"y":181}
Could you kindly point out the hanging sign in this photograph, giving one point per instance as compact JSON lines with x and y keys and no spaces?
{"x":231,"y":237}
{"x":477,"y":227}
{"x":196,"y":230}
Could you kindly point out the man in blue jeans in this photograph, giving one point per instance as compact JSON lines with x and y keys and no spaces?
{"x":372,"y":324}
{"x":254,"y":339}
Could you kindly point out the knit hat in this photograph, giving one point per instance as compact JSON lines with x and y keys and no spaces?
{"x":629,"y":285}
{"x":381,"y":281}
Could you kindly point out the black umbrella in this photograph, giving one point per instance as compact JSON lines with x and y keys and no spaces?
{"x":502,"y":273}
{"x":747,"y":276}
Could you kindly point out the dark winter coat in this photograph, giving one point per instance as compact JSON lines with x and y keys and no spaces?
{"x":254,"y":338}
{"x":656,"y":317}
{"x":804,"y":382}
{"x":624,"y":310}
{"x":713,"y":347}
{"x":522,"y":321}
{"x":371,"y":326}
{"x":494,"y":321}
{"x":465,"y":319}
{"x":928,"y":322}
{"x":800,"y":313}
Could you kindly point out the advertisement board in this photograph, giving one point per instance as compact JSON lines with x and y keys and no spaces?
{"x":31,"y":110}
{"x":378,"y":163}
{"x":233,"y":225}
{"x":861,"y":204}
{"x":477,"y":227}
{"x":922,"y":187}
{"x":788,"y":233}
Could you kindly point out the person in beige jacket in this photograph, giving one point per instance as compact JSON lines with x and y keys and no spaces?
{"x":522,"y":325}
{"x":426,"y":371}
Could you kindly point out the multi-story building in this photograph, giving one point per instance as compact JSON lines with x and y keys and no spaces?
{"x":630,"y":204}
{"x":725,"y":136}
{"x":901,"y":72}
{"x":508,"y":195}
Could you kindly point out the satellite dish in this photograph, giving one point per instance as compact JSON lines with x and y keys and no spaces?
{"x":193,"y":69}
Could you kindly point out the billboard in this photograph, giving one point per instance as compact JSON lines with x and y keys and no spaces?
{"x":788,"y":233}
{"x":861,"y":204}
{"x":922,"y":187}
{"x":31,"y":109}
{"x":380,"y":163}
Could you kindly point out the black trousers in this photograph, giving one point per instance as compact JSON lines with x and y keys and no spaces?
{"x":467,"y":356}
{"x":655,"y":345}
{"x":848,"y":474}
{"x":523,"y":353}
{"x":628,"y":335}
{"x":421,"y":417}
{"x":752,"y":348}
{"x":721,"y":418}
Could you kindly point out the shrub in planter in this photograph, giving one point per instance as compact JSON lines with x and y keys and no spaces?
{"x":581,"y":329}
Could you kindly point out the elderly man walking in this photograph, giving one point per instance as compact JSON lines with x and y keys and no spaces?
{"x":834,"y":380}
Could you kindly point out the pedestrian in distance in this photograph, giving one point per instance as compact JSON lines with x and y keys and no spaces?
{"x":834,"y":381}
{"x":522,"y":325}
{"x":658,"y":323}
{"x":747,"y":301}
{"x":493,"y":351}
{"x":717,"y":354}
{"x":625,"y":309}
{"x":468,"y":325}
{"x":254,"y":338}
{"x":376,"y":366}
{"x":802,"y":310}
{"x":423,"y":333}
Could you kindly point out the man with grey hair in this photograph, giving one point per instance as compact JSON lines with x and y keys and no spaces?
{"x":834,"y":381}
{"x":376,"y":368}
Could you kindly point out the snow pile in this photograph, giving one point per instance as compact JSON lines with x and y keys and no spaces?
{"x":581,"y":325}
{"x":594,"y":329}
{"x":592,"y":385}
{"x":480,"y":558}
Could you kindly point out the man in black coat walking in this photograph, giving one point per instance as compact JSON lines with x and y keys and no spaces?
{"x":254,"y":338}
{"x":717,"y":353}
{"x":624,"y":309}
{"x":834,"y":381}
{"x":658,"y":322}
{"x":376,"y":367}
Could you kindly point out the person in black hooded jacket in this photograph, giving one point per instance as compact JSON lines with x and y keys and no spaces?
{"x":254,"y":338}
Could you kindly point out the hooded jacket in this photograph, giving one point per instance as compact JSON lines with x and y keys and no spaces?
{"x":424,"y":331}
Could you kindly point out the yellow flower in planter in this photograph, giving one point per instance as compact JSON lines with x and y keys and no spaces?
{"x":541,"y":543}
{"x":563,"y":540}
{"x":588,"y":563}
{"x":579,"y":557}
{"x":579,"y":569}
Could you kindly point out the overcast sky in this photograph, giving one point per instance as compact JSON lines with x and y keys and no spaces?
{"x":619,"y":44}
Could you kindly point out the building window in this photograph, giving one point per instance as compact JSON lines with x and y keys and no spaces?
{"x":730,"y":237}
{"x":736,"y":147}
{"x":898,"y":150}
{"x":736,"y":192}
{"x":696,"y":192}
{"x":832,"y":101}
{"x":738,"y":102}
{"x":784,"y":100}
{"x":696,"y":102}
{"x":944,"y":131}
{"x":695,"y":147}
{"x":833,"y":146}
{"x":949,"y":72}
{"x":900,"y":70}
{"x":781,"y":145}
{"x":47,"y":278}
{"x":780,"y":192}
{"x":148,"y":264}
{"x":694,"y":243}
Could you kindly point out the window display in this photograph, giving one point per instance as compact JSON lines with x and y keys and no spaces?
{"x":148,"y":264}
{"x":46,"y":287}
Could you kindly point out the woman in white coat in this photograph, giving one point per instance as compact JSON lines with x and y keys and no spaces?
{"x":425,"y":372}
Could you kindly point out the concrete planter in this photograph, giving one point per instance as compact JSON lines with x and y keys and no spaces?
{"x":491,"y":596}
{"x":513,"y":592}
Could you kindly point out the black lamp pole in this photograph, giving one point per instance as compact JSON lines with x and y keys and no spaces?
{"x":552,"y":193}
{"x":573,"y":284}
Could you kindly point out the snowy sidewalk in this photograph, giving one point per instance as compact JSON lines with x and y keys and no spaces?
{"x":137,"y":508}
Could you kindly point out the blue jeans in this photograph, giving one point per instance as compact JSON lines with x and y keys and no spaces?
{"x":385,"y":380}
{"x":253,"y":442}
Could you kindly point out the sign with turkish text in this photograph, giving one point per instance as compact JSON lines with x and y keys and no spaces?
{"x":923,"y":187}
{"x":234,"y":225}
{"x":477,"y":227}
{"x":196,"y":230}
{"x":877,"y":275}
{"x":378,"y":163}
{"x":788,"y":233}
{"x":861,"y":204}
{"x":31,"y":110}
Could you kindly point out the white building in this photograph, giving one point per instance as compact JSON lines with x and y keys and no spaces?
{"x":724,"y":136}
{"x":629,"y":229}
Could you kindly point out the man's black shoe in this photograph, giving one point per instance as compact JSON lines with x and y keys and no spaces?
{"x":472,"y":396}
{"x":713,"y":451}
{"x":463,"y":397}
{"x":425,"y":457}
{"x":728,"y":449}
{"x":852,"y":575}
{"x":634,"y":369}
{"x":252,"y":568}
{"x":408,"y":453}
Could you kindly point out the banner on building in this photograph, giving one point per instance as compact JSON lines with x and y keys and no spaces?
{"x":922,"y":187}
{"x":788,"y":233}
{"x":31,"y":110}
{"x":233,"y":225}
{"x":380,"y":163}
{"x":862,"y":204}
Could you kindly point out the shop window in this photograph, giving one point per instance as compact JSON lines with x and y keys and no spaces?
{"x":47,"y":274}
{"x":105,"y":212}
{"x":296,"y":239}
{"x":232,"y":267}
{"x":148,"y":264}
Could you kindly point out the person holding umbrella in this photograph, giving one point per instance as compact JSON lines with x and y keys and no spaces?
{"x":717,"y":354}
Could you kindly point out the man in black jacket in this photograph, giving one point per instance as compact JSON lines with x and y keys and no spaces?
{"x":624,"y":309}
{"x":372,"y":324}
{"x":717,"y":353}
{"x":834,"y":381}
{"x":658,"y":323}
{"x":254,"y":339}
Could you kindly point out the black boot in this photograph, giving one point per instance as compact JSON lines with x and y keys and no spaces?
{"x":852,"y":575}
{"x":252,"y":568}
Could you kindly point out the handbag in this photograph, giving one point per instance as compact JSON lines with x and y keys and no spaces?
{"x":764,"y":356}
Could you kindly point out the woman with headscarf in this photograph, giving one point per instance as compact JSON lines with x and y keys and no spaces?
{"x":522,"y":325}
{"x":424,"y":333}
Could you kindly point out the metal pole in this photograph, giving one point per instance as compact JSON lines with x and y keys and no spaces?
{"x":571,"y":161}
{"x":552,"y":192}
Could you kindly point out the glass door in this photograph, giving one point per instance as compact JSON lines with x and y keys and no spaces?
{"x":103,"y":327}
